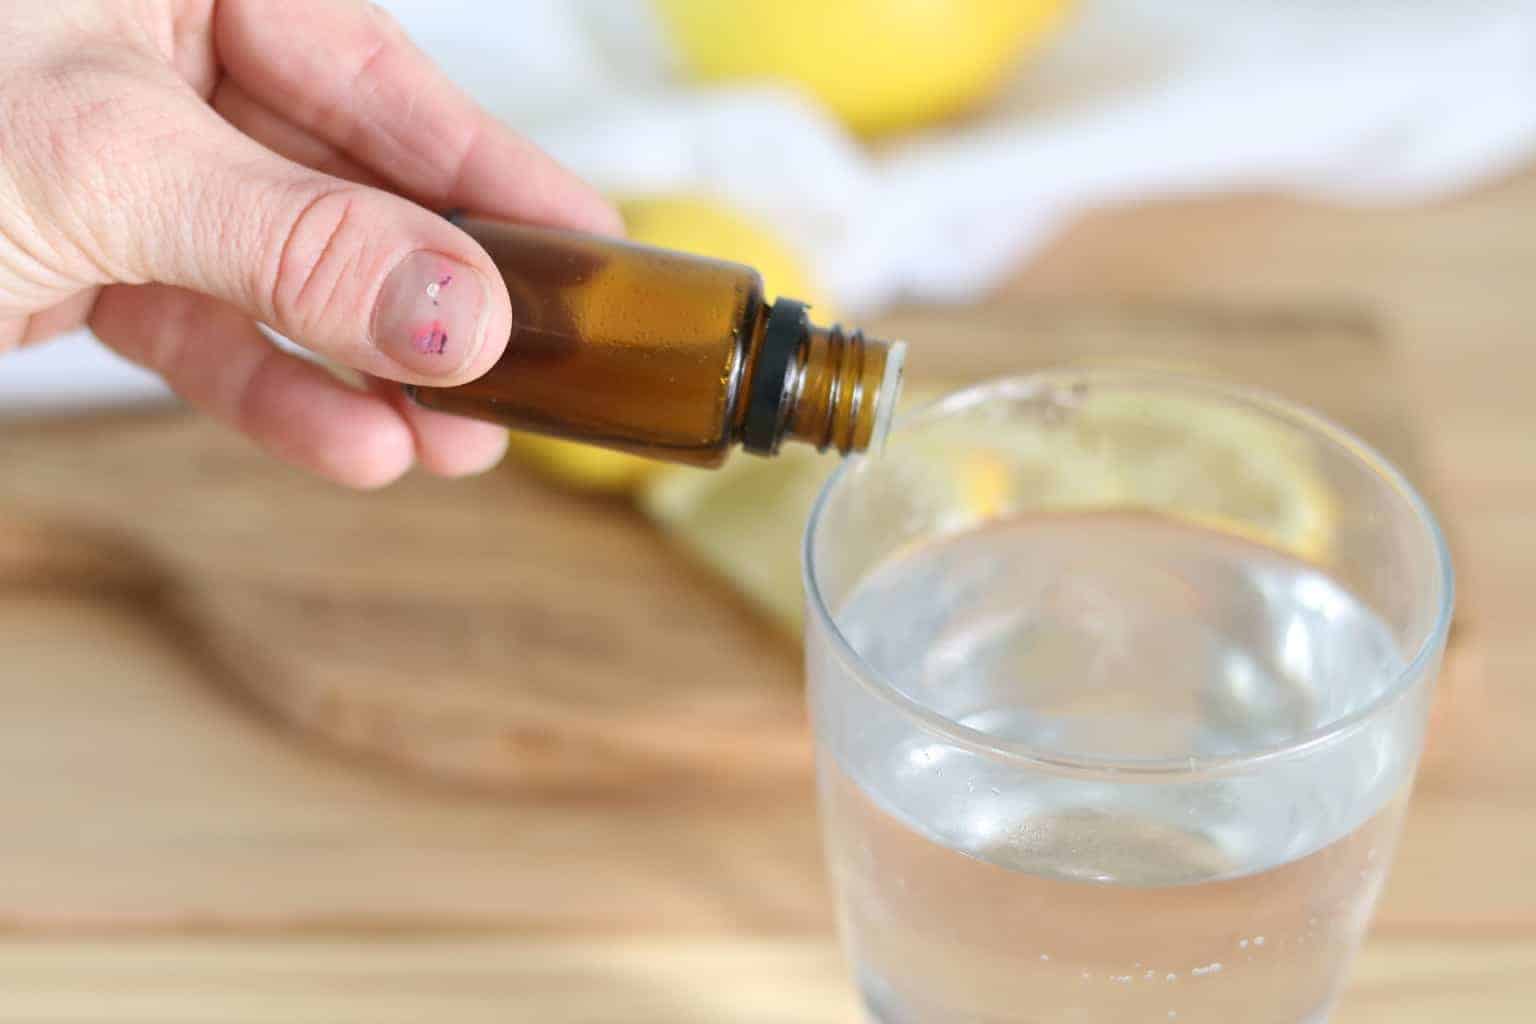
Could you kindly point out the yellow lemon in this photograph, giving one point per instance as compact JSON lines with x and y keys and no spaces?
{"x":879,"y":65}
{"x":689,"y":224}
{"x":711,"y":228}
{"x":581,"y":467}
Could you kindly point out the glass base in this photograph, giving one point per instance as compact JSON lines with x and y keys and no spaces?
{"x":881,"y":1006}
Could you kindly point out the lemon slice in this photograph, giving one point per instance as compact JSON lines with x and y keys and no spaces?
{"x":1214,"y":465}
{"x":745,"y":520}
{"x":1201,"y":462}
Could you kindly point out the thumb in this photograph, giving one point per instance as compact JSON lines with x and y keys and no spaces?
{"x":353,"y":273}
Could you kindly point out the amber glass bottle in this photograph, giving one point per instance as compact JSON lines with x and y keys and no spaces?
{"x":667,"y":355}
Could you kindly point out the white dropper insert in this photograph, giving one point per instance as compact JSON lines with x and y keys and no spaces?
{"x":888,"y":395}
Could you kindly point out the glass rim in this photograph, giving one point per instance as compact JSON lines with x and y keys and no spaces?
{"x":1279,"y":409}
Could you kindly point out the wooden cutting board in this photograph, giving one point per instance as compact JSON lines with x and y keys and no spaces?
{"x":491,"y":630}
{"x":502,"y":632}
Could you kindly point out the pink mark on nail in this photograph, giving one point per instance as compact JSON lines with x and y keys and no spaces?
{"x":431,"y":339}
{"x":437,"y":286}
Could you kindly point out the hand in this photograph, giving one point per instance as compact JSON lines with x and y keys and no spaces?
{"x":173,"y":171}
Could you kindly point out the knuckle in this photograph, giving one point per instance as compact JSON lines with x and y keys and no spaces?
{"x":249,"y":386}
{"x":166,"y":351}
{"x":359,"y":63}
{"x":315,"y":252}
{"x":385,"y":23}
{"x":383,"y":40}
{"x":387,"y":33}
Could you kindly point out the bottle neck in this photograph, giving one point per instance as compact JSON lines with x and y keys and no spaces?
{"x":845,"y":390}
{"x":822,"y":386}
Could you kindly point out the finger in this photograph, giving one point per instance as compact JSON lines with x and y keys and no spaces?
{"x":366,"y":278}
{"x":18,"y":332}
{"x":446,"y":445}
{"x":215,"y":358}
{"x":346,"y":72}
{"x":66,"y":316}
{"x":283,"y":137}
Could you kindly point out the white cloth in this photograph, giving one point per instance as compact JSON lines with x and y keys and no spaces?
{"x":1364,"y":101}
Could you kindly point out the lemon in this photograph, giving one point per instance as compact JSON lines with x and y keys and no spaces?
{"x":1217,"y":466}
{"x":690,"y":224}
{"x":712,"y":228}
{"x":580,"y":467}
{"x":879,"y":65}
{"x":1205,"y":463}
{"x":1201,"y":461}
{"x":744,"y":521}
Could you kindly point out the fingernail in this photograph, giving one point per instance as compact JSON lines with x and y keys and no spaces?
{"x":430,"y":314}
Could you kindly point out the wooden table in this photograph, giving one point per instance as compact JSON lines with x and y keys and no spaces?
{"x":171,"y":856}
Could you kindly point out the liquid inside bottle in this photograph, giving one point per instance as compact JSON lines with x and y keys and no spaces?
{"x":666,"y":354}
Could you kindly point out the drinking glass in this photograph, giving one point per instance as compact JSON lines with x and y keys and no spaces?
{"x":1119,"y":680}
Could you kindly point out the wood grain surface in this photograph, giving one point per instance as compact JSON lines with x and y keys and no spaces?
{"x":660,"y":981}
{"x":176,"y":853}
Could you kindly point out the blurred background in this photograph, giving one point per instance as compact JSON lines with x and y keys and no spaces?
{"x":531,"y":747}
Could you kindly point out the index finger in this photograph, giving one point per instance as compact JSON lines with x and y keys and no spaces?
{"x":345,"y":71}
